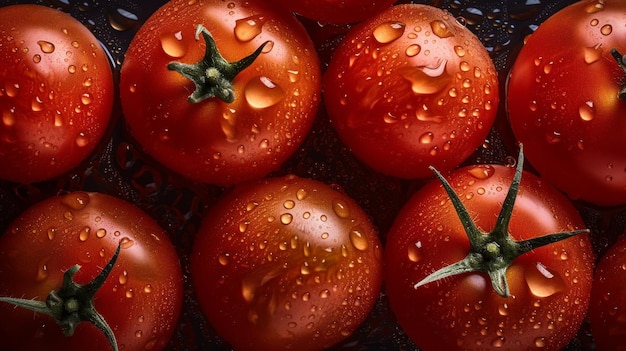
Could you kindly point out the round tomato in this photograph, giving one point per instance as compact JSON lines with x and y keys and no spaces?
{"x":336,"y":11}
{"x":480,"y":231}
{"x":140,"y":300}
{"x":410,"y":88}
{"x":608,"y":299}
{"x":564,"y":103}
{"x":56,"y":93}
{"x":254,"y":80}
{"x":286,"y":264}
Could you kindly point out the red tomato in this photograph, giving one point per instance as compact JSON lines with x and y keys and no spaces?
{"x":336,"y":11}
{"x":543,"y":293}
{"x":410,"y":88}
{"x":564,"y":101}
{"x":608,"y":299}
{"x":275,"y":95}
{"x":286,"y":264}
{"x":140,"y":300}
{"x":56,"y":93}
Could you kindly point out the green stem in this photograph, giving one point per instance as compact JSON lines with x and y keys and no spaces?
{"x":621,"y":61}
{"x":213,"y":76}
{"x":73,"y":303}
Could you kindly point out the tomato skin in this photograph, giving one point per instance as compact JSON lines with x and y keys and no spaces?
{"x":140,"y":300}
{"x":56,"y":95}
{"x":213,"y":141}
{"x":563,"y":104}
{"x":286,"y":263}
{"x":411,"y":88}
{"x":608,"y":299}
{"x":463,"y":312}
{"x":336,"y":11}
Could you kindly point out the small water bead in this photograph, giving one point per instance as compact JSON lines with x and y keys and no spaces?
{"x":173,"y":44}
{"x":441,"y":29}
{"x":413,"y":50}
{"x":358,"y":240}
{"x":606,"y":29}
{"x":83,"y":235}
{"x":46,"y":46}
{"x":249,"y":28}
{"x":389,"y":31}
{"x":587,"y":111}
{"x":261,"y":92}
{"x":341,"y":209}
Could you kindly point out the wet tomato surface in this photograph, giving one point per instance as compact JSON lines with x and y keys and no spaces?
{"x":122,"y":167}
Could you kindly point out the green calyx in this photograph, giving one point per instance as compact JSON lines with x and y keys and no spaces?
{"x":492,"y":253}
{"x":73,"y":302}
{"x":621,"y":61}
{"x":213,"y":76}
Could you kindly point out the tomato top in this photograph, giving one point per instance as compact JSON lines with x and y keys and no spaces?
{"x":564,"y":105}
{"x":271,"y":106}
{"x":336,"y":11}
{"x":56,"y":93}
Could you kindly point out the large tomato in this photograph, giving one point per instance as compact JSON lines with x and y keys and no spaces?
{"x":254,"y":90}
{"x":140,"y":300}
{"x":492,"y":233}
{"x":56,"y":93}
{"x":286,"y":264}
{"x":565,"y":104}
{"x":410,"y":88}
{"x":607,"y":311}
{"x":336,"y":11}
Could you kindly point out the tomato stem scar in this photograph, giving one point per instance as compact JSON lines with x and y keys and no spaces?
{"x":213,"y":76}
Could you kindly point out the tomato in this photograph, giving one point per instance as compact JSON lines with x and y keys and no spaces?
{"x":608,"y":299}
{"x":140,"y":300}
{"x":248,"y":115}
{"x":286,"y":263}
{"x":483,"y":228}
{"x":336,"y":11}
{"x":564,"y":104}
{"x":410,"y":88}
{"x":56,"y":93}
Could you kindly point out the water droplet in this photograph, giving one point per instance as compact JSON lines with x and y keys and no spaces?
{"x":587,"y":111}
{"x":427,"y":79}
{"x":388,"y":32}
{"x":243,"y":225}
{"x":261,"y":92}
{"x":481,"y":171}
{"x":542,"y":281}
{"x":81,"y":140}
{"x":289,"y":204}
{"x":341,"y":209}
{"x":498,"y":342}
{"x":76,"y":201}
{"x":415,"y":252}
{"x":248,"y":28}
{"x":413,"y":50}
{"x":426,"y":138}
{"x":606,"y":29}
{"x":301,"y":194}
{"x":358,"y":240}
{"x":147,"y":289}
{"x":595,"y":6}
{"x":42,"y":270}
{"x":173,"y":44}
{"x":127,"y":243}
{"x":593,"y":53}
{"x":123,"y":277}
{"x":553,"y":138}
{"x":441,"y":29}
{"x":286,"y":218}
{"x":36,"y":58}
{"x":101,"y":233}
{"x":540,"y":342}
{"x":459,"y":50}
{"x":83,"y":235}
{"x":46,"y":46}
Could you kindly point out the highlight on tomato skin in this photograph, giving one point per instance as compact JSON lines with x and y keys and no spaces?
{"x":56,"y":93}
{"x":270,"y":105}
{"x":141,"y":298}
{"x":286,"y":264}
{"x":411,"y":88}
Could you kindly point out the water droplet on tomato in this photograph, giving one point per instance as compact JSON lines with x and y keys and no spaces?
{"x":11,"y":89}
{"x":301,"y":194}
{"x":426,"y":138}
{"x":123,"y":277}
{"x":173,"y":44}
{"x":286,"y":218}
{"x":481,"y":172}
{"x":243,"y":226}
{"x":127,"y":243}
{"x":42,"y":270}
{"x":76,"y":200}
{"x":587,"y":111}
{"x":261,"y":92}
{"x":413,"y":50}
{"x":441,"y":29}
{"x":592,"y":53}
{"x":223,"y":259}
{"x":427,"y":79}
{"x":415,"y":252}
{"x":81,"y":140}
{"x":36,"y":58}
{"x":542,"y":281}
{"x":553,"y":138}
{"x":498,"y":342}
{"x":606,"y":29}
{"x":540,"y":342}
{"x":83,"y":235}
{"x":289,"y":204}
{"x":387,"y":32}
{"x":503,"y":309}
{"x":46,"y":46}
{"x":341,"y":209}
{"x":101,"y":233}
{"x":358,"y":240}
{"x":249,"y":28}
{"x":595,"y":6}
{"x":459,"y":51}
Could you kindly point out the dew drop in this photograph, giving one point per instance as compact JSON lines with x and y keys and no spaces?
{"x":81,"y":140}
{"x":441,"y":29}
{"x":36,"y":58}
{"x":427,"y":80}
{"x":76,"y":201}
{"x":592,"y":53}
{"x":83,"y":235}
{"x":301,"y":194}
{"x":587,"y":111}
{"x":46,"y":46}
{"x":606,"y":29}
{"x":414,"y":252}
{"x":289,"y":204}
{"x":459,"y":50}
{"x":358,"y":240}
{"x":249,"y":28}
{"x":42,"y":272}
{"x":173,"y":44}
{"x":542,"y":281}
{"x":388,"y":32}
{"x":341,"y":209}
{"x":286,"y":218}
{"x":481,"y":171}
{"x":426,"y":138}
{"x":553,"y":138}
{"x":123,"y":277}
{"x":540,"y":342}
{"x":101,"y":233}
{"x":52,"y":232}
{"x":260,"y":92}
{"x":413,"y":50}
{"x":127,"y":243}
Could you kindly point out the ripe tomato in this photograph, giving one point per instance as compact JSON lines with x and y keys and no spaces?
{"x":608,"y":299}
{"x":336,"y":11}
{"x":56,"y":93}
{"x":141,"y":298}
{"x":286,"y":263}
{"x":410,"y":88}
{"x":543,"y":292}
{"x":564,"y":103}
{"x":275,"y":95}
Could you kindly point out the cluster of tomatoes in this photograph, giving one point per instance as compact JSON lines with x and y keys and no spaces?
{"x":308,"y":175}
